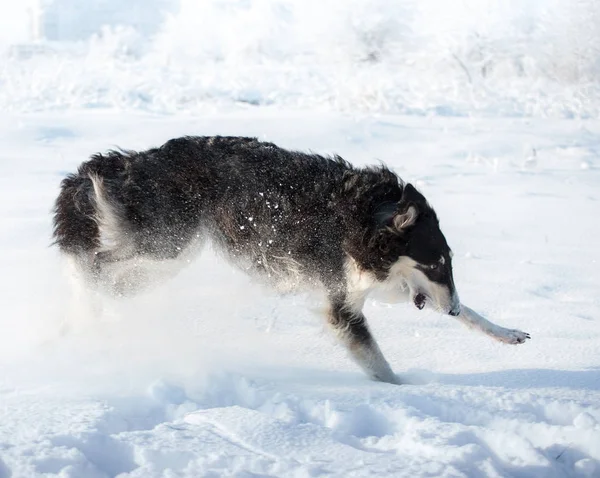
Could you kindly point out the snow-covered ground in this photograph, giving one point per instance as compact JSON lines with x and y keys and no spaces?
{"x":209,"y":375}
{"x":489,"y":107}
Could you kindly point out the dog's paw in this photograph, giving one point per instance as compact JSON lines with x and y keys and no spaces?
{"x":513,"y":336}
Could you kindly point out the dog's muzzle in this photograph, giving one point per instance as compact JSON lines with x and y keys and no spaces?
{"x":455,"y":305}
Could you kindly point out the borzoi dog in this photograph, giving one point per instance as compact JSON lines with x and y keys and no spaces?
{"x":293,"y":219}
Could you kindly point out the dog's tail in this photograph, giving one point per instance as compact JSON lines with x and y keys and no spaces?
{"x":86,"y":219}
{"x":108,"y":216}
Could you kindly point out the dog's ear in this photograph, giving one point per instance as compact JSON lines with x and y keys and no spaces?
{"x":407,"y":211}
{"x":405,"y":219}
{"x":401,"y":214}
{"x":398,"y":215}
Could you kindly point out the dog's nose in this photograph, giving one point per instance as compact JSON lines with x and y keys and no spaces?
{"x":454,"y":312}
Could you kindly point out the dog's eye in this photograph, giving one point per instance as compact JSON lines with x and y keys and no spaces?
{"x":434,"y":266}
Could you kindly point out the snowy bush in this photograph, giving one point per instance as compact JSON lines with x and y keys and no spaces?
{"x":529,"y":57}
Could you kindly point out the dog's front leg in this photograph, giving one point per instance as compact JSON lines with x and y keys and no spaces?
{"x":475,"y":321}
{"x":351,"y":327}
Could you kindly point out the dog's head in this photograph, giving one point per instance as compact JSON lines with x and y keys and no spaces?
{"x":420,"y":256}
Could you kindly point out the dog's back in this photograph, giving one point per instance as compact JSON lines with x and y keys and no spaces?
{"x":279,"y":213}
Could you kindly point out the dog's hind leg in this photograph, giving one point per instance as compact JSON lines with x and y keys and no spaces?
{"x":108,"y":250}
{"x":83,"y":305}
{"x":125,"y":277}
{"x":475,"y":321}
{"x":352,"y":329}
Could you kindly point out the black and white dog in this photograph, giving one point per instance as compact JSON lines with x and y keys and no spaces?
{"x":291,"y":218}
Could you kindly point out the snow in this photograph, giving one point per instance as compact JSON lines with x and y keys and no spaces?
{"x":209,"y":375}
{"x":513,"y":57}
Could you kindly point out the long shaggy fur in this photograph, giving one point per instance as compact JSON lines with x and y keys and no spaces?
{"x":273,"y":211}
{"x":291,"y":218}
